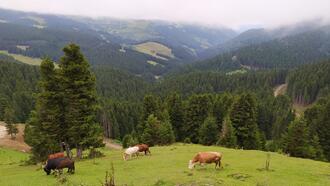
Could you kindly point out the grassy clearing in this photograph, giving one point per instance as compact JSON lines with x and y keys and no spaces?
{"x":23,"y":47}
{"x":154,"y":49}
{"x":23,"y":59}
{"x":169,"y":166}
{"x":239,"y":71}
{"x":154,"y":63}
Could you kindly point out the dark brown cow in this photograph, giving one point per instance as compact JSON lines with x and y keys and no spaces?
{"x":59,"y":164}
{"x":143,"y":148}
{"x":66,"y":163}
{"x":56,"y":155}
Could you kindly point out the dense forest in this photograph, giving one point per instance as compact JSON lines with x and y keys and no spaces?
{"x":18,"y":83}
{"x":309,"y":82}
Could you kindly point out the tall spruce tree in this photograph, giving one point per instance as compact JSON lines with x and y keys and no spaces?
{"x":44,"y":130}
{"x":198,"y":108}
{"x":323,"y":130}
{"x":151,"y":105}
{"x":151,"y":135}
{"x":209,"y":131}
{"x":176,"y":113}
{"x":243,"y":117}
{"x":80,"y":100}
{"x":66,"y":107}
{"x":297,"y":139}
{"x":9,"y":120}
{"x":228,"y":134}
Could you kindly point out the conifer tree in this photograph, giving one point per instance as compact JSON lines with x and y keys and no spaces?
{"x":151,"y":135}
{"x":176,"y":114}
{"x":228,"y":135}
{"x":243,"y":117}
{"x":44,"y":129}
{"x":9,"y":120}
{"x":209,"y":131}
{"x":297,"y":139}
{"x":80,"y":100}
{"x":197,"y":110}
{"x":323,"y":130}
{"x":151,"y":105}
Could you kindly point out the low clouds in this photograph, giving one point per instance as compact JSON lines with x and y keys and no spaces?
{"x":231,"y":13}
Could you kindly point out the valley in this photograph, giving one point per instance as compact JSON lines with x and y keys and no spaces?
{"x":257,"y":93}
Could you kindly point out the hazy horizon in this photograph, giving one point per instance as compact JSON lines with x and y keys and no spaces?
{"x":235,"y":14}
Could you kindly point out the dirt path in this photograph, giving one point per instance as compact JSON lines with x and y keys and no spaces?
{"x":18,"y":143}
{"x":112,"y":145}
{"x":280,"y":90}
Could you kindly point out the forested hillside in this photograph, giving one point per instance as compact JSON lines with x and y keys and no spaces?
{"x":309,"y":82}
{"x":287,"y":52}
{"x":17,"y":87}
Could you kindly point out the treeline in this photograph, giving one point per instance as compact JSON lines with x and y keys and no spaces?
{"x":215,"y":118}
{"x":217,"y":82}
{"x":309,"y":82}
{"x":18,"y":83}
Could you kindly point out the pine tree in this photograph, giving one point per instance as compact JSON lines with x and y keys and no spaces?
{"x":196,"y":111}
{"x":317,"y":151}
{"x":297,"y":139}
{"x":323,"y":130}
{"x":221,"y":107}
{"x":208,"y":132}
{"x":176,"y":114}
{"x":228,"y":135}
{"x":80,"y":100}
{"x":243,"y":117}
{"x":45,"y":128}
{"x":9,"y":120}
{"x":151,"y":135}
{"x":151,"y":105}
{"x":166,"y":133}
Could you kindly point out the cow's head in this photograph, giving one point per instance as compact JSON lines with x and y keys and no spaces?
{"x":191,"y":164}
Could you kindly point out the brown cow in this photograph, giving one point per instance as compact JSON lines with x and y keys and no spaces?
{"x":206,"y":157}
{"x":66,"y":163}
{"x":59,"y":164}
{"x":143,"y":148}
{"x":56,"y":155}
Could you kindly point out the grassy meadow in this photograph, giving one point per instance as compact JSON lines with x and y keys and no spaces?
{"x":22,"y":58}
{"x":169,"y":166}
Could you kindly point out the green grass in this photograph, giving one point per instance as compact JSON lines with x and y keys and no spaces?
{"x":169,"y":166}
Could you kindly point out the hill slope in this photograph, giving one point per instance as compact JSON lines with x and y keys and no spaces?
{"x":169,"y":166}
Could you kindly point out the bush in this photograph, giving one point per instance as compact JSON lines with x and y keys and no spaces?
{"x":187,"y":140}
{"x":128,"y":141}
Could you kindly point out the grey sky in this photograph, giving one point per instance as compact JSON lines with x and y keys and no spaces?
{"x":232,"y":13}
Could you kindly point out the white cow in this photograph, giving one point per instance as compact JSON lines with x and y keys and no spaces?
{"x":130,"y":151}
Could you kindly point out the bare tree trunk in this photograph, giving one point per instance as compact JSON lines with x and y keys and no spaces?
{"x":79,"y":152}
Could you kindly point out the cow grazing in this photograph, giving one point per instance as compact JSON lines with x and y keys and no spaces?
{"x":130,"y":151}
{"x":56,"y":155}
{"x":206,"y":157}
{"x":59,"y":164}
{"x":143,"y":148}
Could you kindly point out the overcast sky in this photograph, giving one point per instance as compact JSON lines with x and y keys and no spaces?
{"x":231,"y":13}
